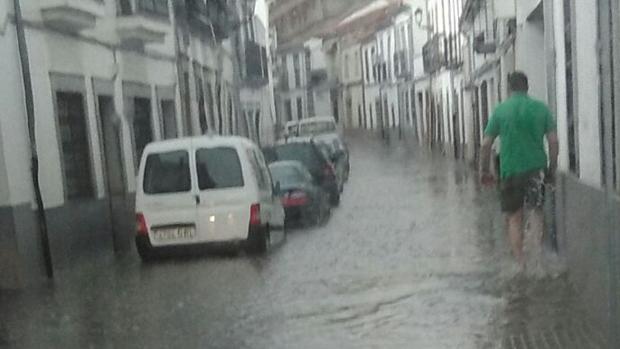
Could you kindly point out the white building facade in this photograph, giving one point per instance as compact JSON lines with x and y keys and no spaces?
{"x":569,"y":51}
{"x":108,"y":77}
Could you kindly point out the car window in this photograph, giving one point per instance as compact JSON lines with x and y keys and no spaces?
{"x":313,"y":128}
{"x":287,"y":175}
{"x":218,"y":168}
{"x":302,"y":152}
{"x":167,"y":173}
{"x":269,"y":155}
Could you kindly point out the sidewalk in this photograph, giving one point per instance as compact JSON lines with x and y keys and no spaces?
{"x":542,"y":309}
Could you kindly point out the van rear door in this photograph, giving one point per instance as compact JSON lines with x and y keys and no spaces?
{"x":167,"y":198}
{"x":223,"y":211}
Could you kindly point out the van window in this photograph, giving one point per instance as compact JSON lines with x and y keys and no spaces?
{"x":218,"y":168}
{"x":260,"y":170}
{"x":167,"y":173}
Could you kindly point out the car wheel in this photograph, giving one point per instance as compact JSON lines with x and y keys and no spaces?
{"x":326,"y":210}
{"x":335,"y":199}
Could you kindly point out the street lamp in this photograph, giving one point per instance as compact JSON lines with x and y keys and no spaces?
{"x":419,"y":18}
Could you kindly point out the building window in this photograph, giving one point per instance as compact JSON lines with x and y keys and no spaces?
{"x":210,"y":105}
{"x":289,"y":110}
{"x":169,"y":122}
{"x":74,"y":145}
{"x":142,"y":129}
{"x":202,"y":112}
{"x":346,"y":66}
{"x":300,"y":108}
{"x":366,"y":65}
{"x":187,"y":112}
{"x":297,"y":70}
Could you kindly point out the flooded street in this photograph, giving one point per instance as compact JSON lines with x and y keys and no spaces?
{"x":414,"y":257}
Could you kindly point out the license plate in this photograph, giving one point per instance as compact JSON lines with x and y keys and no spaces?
{"x":180,"y":233}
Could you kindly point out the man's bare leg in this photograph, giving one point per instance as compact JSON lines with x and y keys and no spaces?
{"x":515,"y":233}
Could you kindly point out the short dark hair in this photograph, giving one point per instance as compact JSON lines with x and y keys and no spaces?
{"x":517,"y":82}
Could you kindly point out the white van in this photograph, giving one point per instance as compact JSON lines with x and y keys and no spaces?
{"x":205,"y":190}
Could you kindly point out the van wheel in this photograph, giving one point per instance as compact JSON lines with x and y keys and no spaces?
{"x":259,"y":241}
{"x":145,"y":251}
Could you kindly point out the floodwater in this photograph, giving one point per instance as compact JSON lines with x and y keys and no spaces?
{"x":414,"y":257}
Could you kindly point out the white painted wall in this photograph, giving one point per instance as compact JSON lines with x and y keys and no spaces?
{"x":51,"y":52}
{"x":4,"y":15}
{"x":15,"y":146}
{"x":560,"y":83}
{"x":587,"y":92}
{"x":524,"y":8}
{"x":504,"y":8}
{"x":530,"y":58}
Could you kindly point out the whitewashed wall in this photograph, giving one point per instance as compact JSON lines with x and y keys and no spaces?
{"x":560,"y":87}
{"x":16,"y":185}
{"x":587,"y":91}
{"x":51,"y":52}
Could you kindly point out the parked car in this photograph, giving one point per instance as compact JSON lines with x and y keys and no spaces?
{"x":338,"y":160}
{"x":325,"y":129}
{"x":320,"y":167}
{"x":205,"y":190}
{"x":303,"y":199}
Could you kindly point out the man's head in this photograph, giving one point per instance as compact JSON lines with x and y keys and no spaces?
{"x":517,"y":82}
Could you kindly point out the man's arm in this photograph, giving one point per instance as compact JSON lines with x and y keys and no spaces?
{"x":554,"y":150}
{"x":485,"y":154}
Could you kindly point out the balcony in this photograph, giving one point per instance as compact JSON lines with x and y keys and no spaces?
{"x":442,"y":51}
{"x":142,"y":21}
{"x":220,"y":19}
{"x":72,"y":15}
{"x":434,"y":57}
{"x":482,"y":46}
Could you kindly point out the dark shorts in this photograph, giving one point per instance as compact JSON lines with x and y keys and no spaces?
{"x":526,"y":189}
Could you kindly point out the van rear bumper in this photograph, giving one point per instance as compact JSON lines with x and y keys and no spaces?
{"x":143,"y":243}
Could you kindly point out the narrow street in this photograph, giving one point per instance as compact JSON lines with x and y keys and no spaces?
{"x":414,"y":257}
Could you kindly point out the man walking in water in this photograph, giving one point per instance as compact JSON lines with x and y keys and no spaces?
{"x":521,"y":123}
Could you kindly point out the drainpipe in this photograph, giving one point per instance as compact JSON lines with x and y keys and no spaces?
{"x":34,"y":159}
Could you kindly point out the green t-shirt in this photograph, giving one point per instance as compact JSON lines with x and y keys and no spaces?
{"x":521,"y":123}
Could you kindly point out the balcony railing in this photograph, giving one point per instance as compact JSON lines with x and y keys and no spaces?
{"x":142,"y":21}
{"x":441,"y":51}
{"x":157,"y":8}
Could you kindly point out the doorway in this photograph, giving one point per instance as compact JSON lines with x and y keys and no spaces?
{"x":113,"y":168}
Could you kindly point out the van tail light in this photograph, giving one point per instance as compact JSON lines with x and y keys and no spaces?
{"x":329,"y":171}
{"x":141,"y":228}
{"x":255,"y":215}
{"x":295,"y":198}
